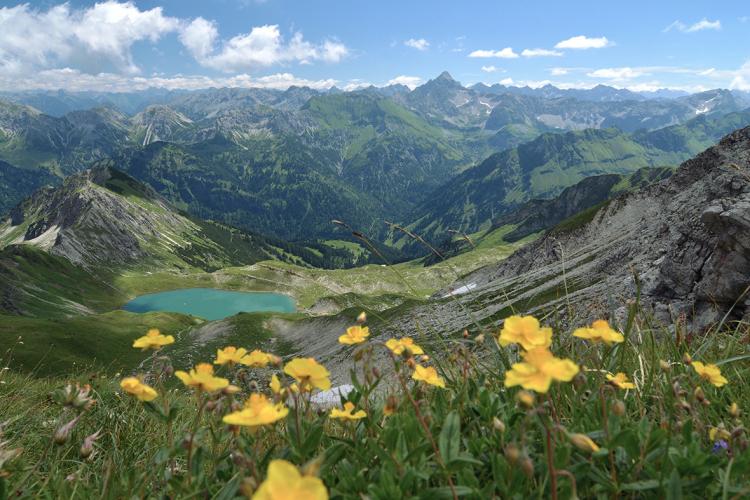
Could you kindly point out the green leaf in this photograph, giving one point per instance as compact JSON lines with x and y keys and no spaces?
{"x":449,"y":441}
{"x":674,"y":488}
{"x":229,"y":490}
{"x":446,"y":492}
{"x":649,"y":484}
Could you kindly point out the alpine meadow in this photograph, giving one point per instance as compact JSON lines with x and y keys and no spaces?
{"x":307,"y":250}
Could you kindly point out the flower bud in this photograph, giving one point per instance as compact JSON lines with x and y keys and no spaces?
{"x":410,"y":363}
{"x":618,"y":408}
{"x":699,"y":394}
{"x":664,"y":365}
{"x":512,"y":453}
{"x":248,"y":487}
{"x":479,"y":339}
{"x":687,"y":359}
{"x":362,"y":317}
{"x":583,"y":443}
{"x":527,"y":466}
{"x":734,"y":410}
{"x":312,"y":468}
{"x":231,"y":389}
{"x":62,"y":434}
{"x":375,"y":372}
{"x":425,"y":358}
{"x":87,"y":448}
{"x":498,"y":425}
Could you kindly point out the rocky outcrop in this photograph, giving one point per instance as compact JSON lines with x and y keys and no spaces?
{"x":104,"y":219}
{"x":539,"y":215}
{"x":88,"y":222}
{"x":685,"y":242}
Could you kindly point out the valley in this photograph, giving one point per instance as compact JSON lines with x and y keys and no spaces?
{"x":151,"y":216}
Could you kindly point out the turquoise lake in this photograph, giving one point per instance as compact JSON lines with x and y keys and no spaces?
{"x":209,"y":303}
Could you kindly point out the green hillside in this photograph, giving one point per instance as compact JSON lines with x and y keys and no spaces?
{"x":545,"y":166}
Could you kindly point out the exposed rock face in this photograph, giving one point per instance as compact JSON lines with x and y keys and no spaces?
{"x":687,"y":239}
{"x":88,"y":222}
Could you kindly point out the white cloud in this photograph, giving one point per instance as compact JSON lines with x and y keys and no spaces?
{"x":743,"y":19}
{"x":409,"y":81}
{"x":703,"y":24}
{"x":263,"y":46}
{"x":489,"y":69}
{"x":506,"y":53}
{"x":559,"y":71}
{"x":419,"y":44}
{"x":506,"y":81}
{"x":540,"y":53}
{"x":99,"y":39}
{"x":96,"y":37}
{"x":75,"y":81}
{"x":624,"y":73}
{"x":583,"y":42}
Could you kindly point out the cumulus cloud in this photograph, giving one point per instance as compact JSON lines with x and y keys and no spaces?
{"x":263,"y":46}
{"x":559,"y":71}
{"x":101,"y":35}
{"x":540,"y":53}
{"x":409,"y":81}
{"x":581,"y":42}
{"x":489,"y":69}
{"x":99,"y":40}
{"x":419,"y":44}
{"x":506,"y":53}
{"x":703,"y":24}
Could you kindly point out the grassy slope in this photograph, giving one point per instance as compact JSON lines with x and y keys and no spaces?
{"x":102,"y":339}
{"x":655,"y":445}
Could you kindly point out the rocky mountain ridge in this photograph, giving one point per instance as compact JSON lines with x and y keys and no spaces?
{"x":104,"y":219}
{"x":683,"y":243}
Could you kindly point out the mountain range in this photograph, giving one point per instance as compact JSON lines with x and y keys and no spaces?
{"x":288,"y":162}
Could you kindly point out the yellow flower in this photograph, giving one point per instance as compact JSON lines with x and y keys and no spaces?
{"x":428,"y":375}
{"x":153,"y":340}
{"x":600,"y":331}
{"x":355,"y":335}
{"x":398,"y":346}
{"x":275,"y":385}
{"x":259,"y":359}
{"x":539,"y":369}
{"x":584,"y":443}
{"x":710,"y":372}
{"x":202,"y":378}
{"x":525,"y":330}
{"x":620,"y":380}
{"x":134,"y":386}
{"x":308,"y":373}
{"x":284,"y":482}
{"x":719,"y":433}
{"x":348,"y":412}
{"x":258,"y":410}
{"x":230,"y":355}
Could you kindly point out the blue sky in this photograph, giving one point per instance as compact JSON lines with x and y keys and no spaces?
{"x":190,"y":44}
